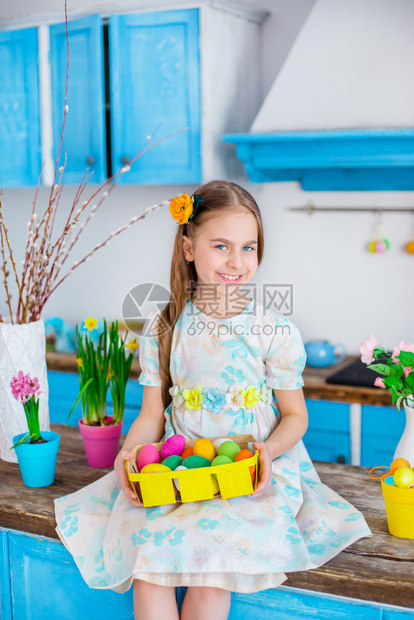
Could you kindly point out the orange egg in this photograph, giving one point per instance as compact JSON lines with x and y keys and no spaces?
{"x":398,"y":463}
{"x":246,"y":454}
{"x":186,"y":452}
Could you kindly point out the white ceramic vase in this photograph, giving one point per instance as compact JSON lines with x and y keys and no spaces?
{"x":405,"y":448}
{"x":22,"y":347}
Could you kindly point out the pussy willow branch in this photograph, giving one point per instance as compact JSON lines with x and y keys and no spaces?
{"x":44,"y":259}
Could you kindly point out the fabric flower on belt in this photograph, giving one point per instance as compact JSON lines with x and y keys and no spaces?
{"x":235,"y":397}
{"x":181,"y":208}
{"x":178,"y":398}
{"x":250,"y":397}
{"x":213,"y":400}
{"x":194,"y":397}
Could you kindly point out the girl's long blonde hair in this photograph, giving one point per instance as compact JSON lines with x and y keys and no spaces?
{"x":218,"y":196}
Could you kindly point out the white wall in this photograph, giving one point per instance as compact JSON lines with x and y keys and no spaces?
{"x":341,"y":291}
{"x":351,"y":66}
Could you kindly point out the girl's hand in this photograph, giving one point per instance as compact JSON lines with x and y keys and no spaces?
{"x":265,"y":466}
{"x":120,"y":471}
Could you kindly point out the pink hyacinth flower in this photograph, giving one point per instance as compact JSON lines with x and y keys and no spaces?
{"x":367,"y":349}
{"x":23,"y":387}
{"x":403,"y":346}
{"x":379,"y":382}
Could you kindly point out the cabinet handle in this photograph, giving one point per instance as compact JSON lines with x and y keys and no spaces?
{"x":124,"y":159}
{"x":341,"y":459}
{"x":90,"y":160}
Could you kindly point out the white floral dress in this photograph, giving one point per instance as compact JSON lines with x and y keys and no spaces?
{"x":223,"y":373}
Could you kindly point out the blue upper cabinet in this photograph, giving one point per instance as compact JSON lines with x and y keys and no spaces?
{"x":84,"y":136}
{"x":20,"y":153}
{"x":155,"y":91}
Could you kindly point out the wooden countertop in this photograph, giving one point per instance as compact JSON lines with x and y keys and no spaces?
{"x":314,"y":378}
{"x":379,"y":568}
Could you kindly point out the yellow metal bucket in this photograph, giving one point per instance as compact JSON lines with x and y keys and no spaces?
{"x":399,"y":505}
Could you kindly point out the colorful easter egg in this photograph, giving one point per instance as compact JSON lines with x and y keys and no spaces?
{"x":371,"y":246}
{"x":177,"y":484}
{"x":153,"y":468}
{"x":400,"y":462}
{"x":229,"y":448}
{"x":410,"y":247}
{"x":380,"y":247}
{"x":148,"y":454}
{"x":204,"y":447}
{"x":217,"y":442}
{"x":216,"y":488}
{"x":173,"y":461}
{"x":173,"y":445}
{"x":194,"y":462}
{"x":221,"y":460}
{"x":404,"y":477}
{"x":186,"y":452}
{"x":246,"y":454}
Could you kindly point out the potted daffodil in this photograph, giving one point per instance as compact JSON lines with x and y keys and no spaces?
{"x":104,"y":364}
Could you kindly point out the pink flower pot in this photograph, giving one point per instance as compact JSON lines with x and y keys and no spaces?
{"x":101,"y":443}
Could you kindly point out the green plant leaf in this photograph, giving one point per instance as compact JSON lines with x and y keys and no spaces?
{"x":383,"y":369}
{"x":78,"y":398}
{"x":393,"y":383}
{"x":22,"y":440}
{"x":409,"y":380}
{"x":396,"y":370}
{"x":406,"y":358}
{"x":378,"y":351}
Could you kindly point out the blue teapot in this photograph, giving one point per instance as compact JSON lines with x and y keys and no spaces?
{"x":320,"y":353}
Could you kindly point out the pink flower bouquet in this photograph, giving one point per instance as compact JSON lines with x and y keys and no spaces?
{"x":26,"y":390}
{"x":397,"y":368}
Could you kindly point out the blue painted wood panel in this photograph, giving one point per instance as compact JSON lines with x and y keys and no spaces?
{"x":5,"y":590}
{"x":47,"y":584}
{"x":84,"y":136}
{"x":64,"y":389}
{"x":341,"y":160}
{"x":328,"y":437}
{"x":381,"y":429}
{"x":20,"y":152}
{"x":155,"y":90}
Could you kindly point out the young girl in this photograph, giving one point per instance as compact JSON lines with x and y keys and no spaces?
{"x":211,"y":369}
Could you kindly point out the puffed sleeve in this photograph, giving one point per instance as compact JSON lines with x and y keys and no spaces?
{"x":286,"y":357}
{"x":148,"y":358}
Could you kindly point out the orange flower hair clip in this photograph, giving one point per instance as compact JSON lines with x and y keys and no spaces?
{"x":183,"y":208}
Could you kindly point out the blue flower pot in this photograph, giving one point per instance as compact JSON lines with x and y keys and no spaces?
{"x":37,"y":461}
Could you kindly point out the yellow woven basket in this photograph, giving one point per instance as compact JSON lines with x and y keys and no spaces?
{"x":156,"y":489}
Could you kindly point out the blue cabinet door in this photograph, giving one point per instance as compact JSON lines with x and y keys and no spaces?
{"x":20,"y":152}
{"x":84,"y":136}
{"x":328,"y":437}
{"x":155,"y":90}
{"x":381,"y":430}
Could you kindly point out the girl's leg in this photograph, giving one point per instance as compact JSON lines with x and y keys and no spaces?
{"x":152,"y":602}
{"x":202,"y":603}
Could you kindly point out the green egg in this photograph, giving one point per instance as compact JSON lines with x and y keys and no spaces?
{"x":173,"y":461}
{"x":193,"y":462}
{"x":229,"y":448}
{"x":220,"y":460}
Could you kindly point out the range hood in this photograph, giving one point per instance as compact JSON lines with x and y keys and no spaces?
{"x":340,"y":114}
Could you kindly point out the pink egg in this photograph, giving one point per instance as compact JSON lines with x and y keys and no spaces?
{"x":148,"y":455}
{"x":173,"y":445}
{"x":380,"y":247}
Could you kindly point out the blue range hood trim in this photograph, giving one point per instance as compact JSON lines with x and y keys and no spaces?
{"x":342,"y":160}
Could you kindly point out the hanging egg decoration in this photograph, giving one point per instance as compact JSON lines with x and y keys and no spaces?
{"x":380,"y":244}
{"x":409,"y":248}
